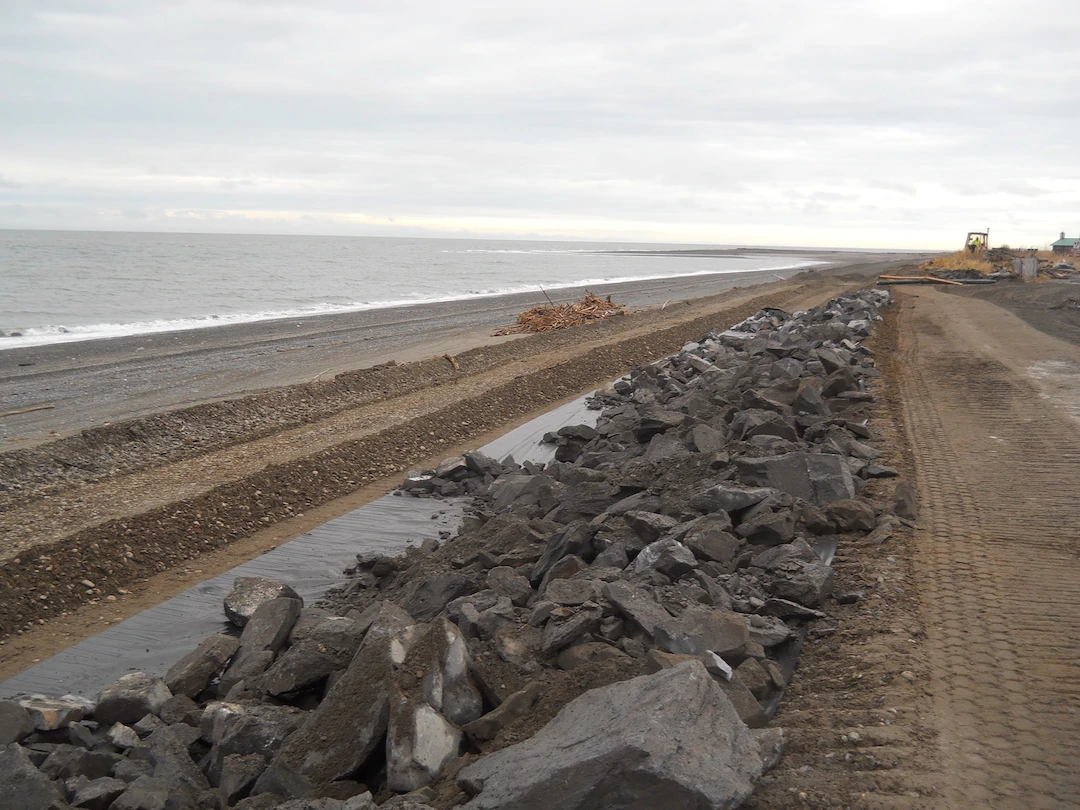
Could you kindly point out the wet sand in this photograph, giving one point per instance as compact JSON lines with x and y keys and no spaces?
{"x":101,"y":381}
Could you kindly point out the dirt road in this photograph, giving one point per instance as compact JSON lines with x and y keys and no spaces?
{"x":954,"y":681}
{"x":992,"y":409}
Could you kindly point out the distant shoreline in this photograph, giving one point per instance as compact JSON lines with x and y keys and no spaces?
{"x":17,"y":339}
{"x":96,"y":381}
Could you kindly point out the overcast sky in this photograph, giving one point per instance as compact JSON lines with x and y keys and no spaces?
{"x":875,"y":123}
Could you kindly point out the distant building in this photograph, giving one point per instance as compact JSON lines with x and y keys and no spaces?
{"x":1064,"y":245}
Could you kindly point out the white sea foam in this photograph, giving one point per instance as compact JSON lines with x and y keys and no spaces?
{"x":68,"y":287}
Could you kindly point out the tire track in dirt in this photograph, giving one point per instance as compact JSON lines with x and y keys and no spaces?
{"x":998,"y":559}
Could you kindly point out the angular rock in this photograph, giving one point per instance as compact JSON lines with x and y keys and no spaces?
{"x":343,"y":731}
{"x":258,"y":730}
{"x":768,"y":528}
{"x":131,"y":698}
{"x":418,"y":746}
{"x":49,"y":713}
{"x":495,"y":618}
{"x":769,"y":631}
{"x":147,"y":793}
{"x":446,"y":685}
{"x":669,"y":557}
{"x":707,"y":439}
{"x":572,"y":591}
{"x":512,"y":708}
{"x":729,"y":498}
{"x":797,"y":573}
{"x":744,"y":703}
{"x":755,"y":679}
{"x":264,"y":634}
{"x":851,"y":515}
{"x":748,"y":424}
{"x":700,"y":629}
{"x":15,"y":722}
{"x":575,"y":539}
{"x":122,"y":736}
{"x":238,"y":776}
{"x":560,"y":633}
{"x":248,"y":593}
{"x":819,"y":479}
{"x":193,"y":673}
{"x":180,"y":709}
{"x":302,"y":665}
{"x":508,"y":582}
{"x":808,"y":399}
{"x":672,"y":736}
{"x":649,"y":526}
{"x":24,"y":787}
{"x":171,"y":759}
{"x":636,"y":604}
{"x":904,"y":503}
{"x":654,"y":421}
{"x":427,"y":599}
{"x":98,"y":794}
{"x":709,"y":539}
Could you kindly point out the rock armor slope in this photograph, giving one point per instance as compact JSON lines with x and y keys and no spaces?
{"x":643,"y":594}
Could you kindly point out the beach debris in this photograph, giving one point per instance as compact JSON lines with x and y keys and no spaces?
{"x":453,"y":361}
{"x":31,"y":409}
{"x":560,"y":316}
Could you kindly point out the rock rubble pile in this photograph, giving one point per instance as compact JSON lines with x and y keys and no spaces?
{"x":611,"y":629}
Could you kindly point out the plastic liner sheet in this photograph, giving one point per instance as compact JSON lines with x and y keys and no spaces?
{"x":154,"y":639}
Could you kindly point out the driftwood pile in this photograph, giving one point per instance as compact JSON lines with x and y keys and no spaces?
{"x":560,"y":316}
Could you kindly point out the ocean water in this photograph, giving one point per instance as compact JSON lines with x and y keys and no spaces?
{"x":67,"y":286}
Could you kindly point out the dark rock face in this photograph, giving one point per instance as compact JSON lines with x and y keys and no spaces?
{"x":264,"y":634}
{"x":131,"y":698}
{"x":24,"y":787}
{"x":815,"y":478}
{"x":248,"y":593}
{"x":348,"y":725}
{"x":428,"y":599}
{"x":15,"y":722}
{"x":193,"y":673}
{"x":672,"y":736}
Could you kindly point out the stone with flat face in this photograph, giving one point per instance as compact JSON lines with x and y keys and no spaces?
{"x":670,"y":739}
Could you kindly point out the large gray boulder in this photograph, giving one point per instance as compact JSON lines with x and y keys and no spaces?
{"x":816,"y":478}
{"x":352,"y":719}
{"x":131,"y":698}
{"x":192,"y":673}
{"x":249,"y":593}
{"x":700,"y":630}
{"x":636,"y":604}
{"x":796,"y":573}
{"x":671,"y":740}
{"x":15,"y":722}
{"x":264,"y":634}
{"x":51,"y":713}
{"x":24,"y":787}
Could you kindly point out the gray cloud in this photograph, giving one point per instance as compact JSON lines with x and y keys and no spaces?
{"x":838,"y":122}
